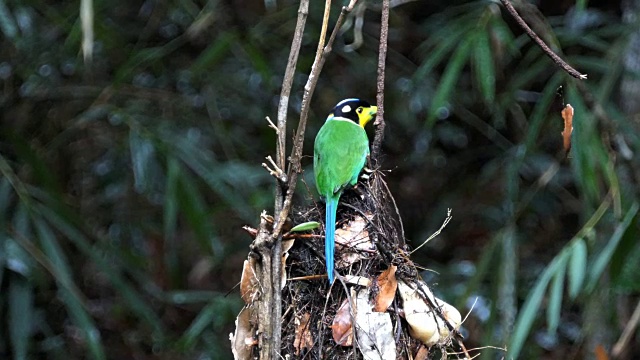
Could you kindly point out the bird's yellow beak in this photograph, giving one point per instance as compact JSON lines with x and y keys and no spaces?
{"x":367,"y":115}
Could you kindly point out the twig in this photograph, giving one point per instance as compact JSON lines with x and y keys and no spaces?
{"x":627,"y":333}
{"x":324,"y":311}
{"x":274,"y":127}
{"x":446,"y":221}
{"x":287,"y":83}
{"x":268,"y":327}
{"x":395,"y":206}
{"x":556,"y":59}
{"x":382,"y":58}
{"x":275,"y":171}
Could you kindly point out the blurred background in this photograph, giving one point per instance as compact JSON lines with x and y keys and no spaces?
{"x":127,"y":170}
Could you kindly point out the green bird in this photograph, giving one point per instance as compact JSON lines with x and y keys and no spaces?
{"x":340,"y":152}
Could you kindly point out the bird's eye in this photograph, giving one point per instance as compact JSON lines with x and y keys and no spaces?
{"x":359,"y":110}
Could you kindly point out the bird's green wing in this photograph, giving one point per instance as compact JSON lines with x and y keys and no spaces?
{"x":340,"y":151}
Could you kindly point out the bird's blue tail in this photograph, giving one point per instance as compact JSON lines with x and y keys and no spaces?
{"x":330,"y":232}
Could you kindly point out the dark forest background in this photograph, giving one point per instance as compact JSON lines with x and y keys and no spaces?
{"x":125,"y":177}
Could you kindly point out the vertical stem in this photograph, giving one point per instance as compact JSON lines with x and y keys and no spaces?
{"x":272,"y":267}
{"x":382,"y":58}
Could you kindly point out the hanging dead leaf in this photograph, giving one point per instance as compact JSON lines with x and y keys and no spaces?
{"x":242,"y":340}
{"x":567,"y":116}
{"x":600,"y":353}
{"x":341,"y":328}
{"x":375,"y":330}
{"x":354,"y":241}
{"x":249,"y":281}
{"x":386,"y":285}
{"x":303,"y":339}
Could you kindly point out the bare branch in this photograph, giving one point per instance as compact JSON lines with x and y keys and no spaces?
{"x":273,"y":126}
{"x":271,"y":301}
{"x":382,"y":58}
{"x":556,"y":59}
{"x":444,"y":224}
{"x":287,"y":83}
{"x":275,"y":171}
{"x":296,"y":152}
{"x":627,"y":333}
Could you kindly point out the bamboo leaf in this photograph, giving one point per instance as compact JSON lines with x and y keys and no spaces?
{"x":215,"y":314}
{"x":195,"y":211}
{"x":144,"y":57}
{"x":484,"y":68}
{"x":170,"y":215}
{"x":449,"y":80}
{"x":213,"y":53}
{"x":70,"y":295}
{"x":309,"y":225}
{"x":602,"y":259}
{"x":142,"y":156}
{"x":20,"y":316}
{"x":530,"y":310}
{"x":7,"y":23}
{"x":439,"y":51}
{"x":133,"y":299}
{"x":577,"y":267}
{"x":555,"y":294}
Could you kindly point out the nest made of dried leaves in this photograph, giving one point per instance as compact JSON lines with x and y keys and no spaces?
{"x":307,"y":310}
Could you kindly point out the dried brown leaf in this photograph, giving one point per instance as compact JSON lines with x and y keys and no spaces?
{"x":287,"y":244}
{"x":567,"y":116}
{"x":249,"y":281}
{"x":387,"y":285}
{"x":303,"y":339}
{"x":422,"y":354}
{"x":600,"y":353}
{"x":242,"y":340}
{"x":355,"y":242}
{"x":375,"y":330}
{"x":341,"y":327}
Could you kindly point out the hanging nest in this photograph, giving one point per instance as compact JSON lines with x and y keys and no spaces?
{"x":379,"y":307}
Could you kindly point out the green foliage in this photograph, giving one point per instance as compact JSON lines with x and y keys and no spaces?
{"x":468,"y":43}
{"x":306,"y":226}
{"x":125,"y":181}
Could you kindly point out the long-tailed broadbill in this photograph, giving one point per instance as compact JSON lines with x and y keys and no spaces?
{"x":340,"y":152}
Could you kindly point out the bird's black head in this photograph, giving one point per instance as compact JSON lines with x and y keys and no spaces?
{"x":356,"y":110}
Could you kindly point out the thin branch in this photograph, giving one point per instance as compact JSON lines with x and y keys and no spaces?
{"x":556,"y":59}
{"x":444,"y":224}
{"x":382,"y":58}
{"x":296,"y":152}
{"x":273,"y":126}
{"x":627,"y":333}
{"x":275,"y":171}
{"x":287,"y":83}
{"x":273,"y":300}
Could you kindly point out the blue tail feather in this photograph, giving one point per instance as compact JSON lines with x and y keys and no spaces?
{"x":330,"y":231}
